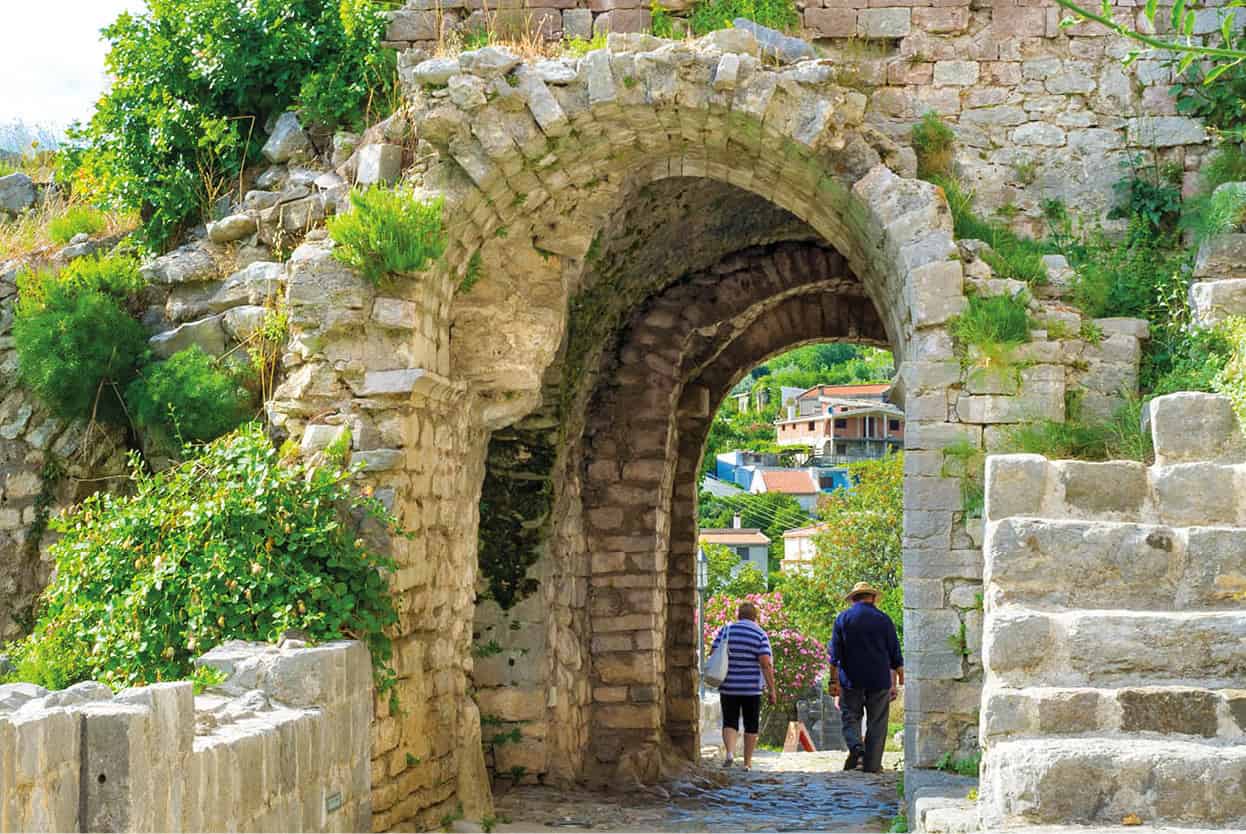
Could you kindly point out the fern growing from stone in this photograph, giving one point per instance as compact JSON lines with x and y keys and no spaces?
{"x":389,"y":232}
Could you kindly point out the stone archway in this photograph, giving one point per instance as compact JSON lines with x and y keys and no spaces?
{"x":579,"y":194}
{"x":539,"y":171}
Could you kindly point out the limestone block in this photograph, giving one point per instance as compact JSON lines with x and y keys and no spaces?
{"x":229,"y":229}
{"x":287,"y":140}
{"x":727,"y":72}
{"x":1196,"y":494}
{"x":1213,"y":301}
{"x":884,"y":23}
{"x":1189,"y":427}
{"x":1222,"y":257}
{"x":1072,"y":782}
{"x":14,"y":695}
{"x":435,"y":72}
{"x":208,"y":333}
{"x":1015,"y":485}
{"x":378,"y":163}
{"x":831,"y":23}
{"x":117,"y":759}
{"x":1169,"y":710}
{"x":17,"y":193}
{"x":773,"y":44}
{"x":241,"y":323}
{"x":577,"y":23}
{"x":317,"y":437}
{"x":1112,"y":490}
{"x":1067,"y":711}
{"x":1164,"y":131}
{"x":1039,"y":133}
{"x":489,"y":62}
{"x":80,"y":693}
{"x":187,"y":264}
{"x":1016,"y":640}
{"x":936,"y":293}
{"x":956,"y":73}
{"x":1192,"y":648}
{"x":412,"y":25}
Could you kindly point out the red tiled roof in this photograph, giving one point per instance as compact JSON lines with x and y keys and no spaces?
{"x":793,"y":483}
{"x":846,"y":390}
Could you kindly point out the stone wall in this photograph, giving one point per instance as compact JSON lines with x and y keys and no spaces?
{"x":281,"y":744}
{"x":1040,"y":111}
{"x":1115,"y":642}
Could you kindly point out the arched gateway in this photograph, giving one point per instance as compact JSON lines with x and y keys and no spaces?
{"x":628,"y":234}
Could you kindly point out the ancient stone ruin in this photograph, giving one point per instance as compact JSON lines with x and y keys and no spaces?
{"x":639,"y":227}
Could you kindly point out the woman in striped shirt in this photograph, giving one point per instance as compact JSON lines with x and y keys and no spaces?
{"x":748,"y":665}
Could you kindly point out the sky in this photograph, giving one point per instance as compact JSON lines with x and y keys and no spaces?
{"x":52,"y":58}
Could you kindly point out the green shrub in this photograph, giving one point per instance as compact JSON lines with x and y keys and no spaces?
{"x":232,"y":544}
{"x":711,"y":15}
{"x":1119,"y":438}
{"x":195,"y":81}
{"x":113,"y":275}
{"x":992,"y":320}
{"x":579,"y":47}
{"x":934,"y":143}
{"x":187,"y":398}
{"x":77,"y":351}
{"x":1012,"y":256}
{"x":75,"y":221}
{"x":663,"y":25}
{"x":389,"y":232}
{"x":1148,"y":192}
{"x":1230,"y":379}
{"x":1126,"y":277}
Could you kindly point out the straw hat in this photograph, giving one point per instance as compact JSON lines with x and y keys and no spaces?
{"x":863,"y":588}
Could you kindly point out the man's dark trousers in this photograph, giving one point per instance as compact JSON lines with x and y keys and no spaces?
{"x":876,"y":705}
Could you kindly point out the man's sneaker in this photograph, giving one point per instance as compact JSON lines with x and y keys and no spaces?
{"x":854,"y":758}
{"x":728,"y":762}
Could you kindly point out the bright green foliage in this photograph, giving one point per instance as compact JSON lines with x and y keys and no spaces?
{"x":1150,"y":193}
{"x":78,"y":351}
{"x":1221,"y":105}
{"x":1230,"y":380}
{"x":966,"y":461}
{"x":900,"y":825}
{"x":472,"y":274}
{"x":1119,"y":438}
{"x":1183,"y":360}
{"x":75,"y":221}
{"x":724,"y":579}
{"x":1012,"y":256}
{"x":116,"y":276}
{"x":711,"y":15}
{"x":992,"y":320}
{"x":579,"y":47}
{"x":860,"y":542}
{"x":231,"y":544}
{"x":663,"y":24}
{"x":964,"y":765}
{"x":389,"y":232}
{"x":188,"y":398}
{"x":194,"y":81}
{"x":934,"y":143}
{"x":1126,"y":277}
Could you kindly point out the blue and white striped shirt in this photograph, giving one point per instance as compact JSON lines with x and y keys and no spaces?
{"x":748,"y":644}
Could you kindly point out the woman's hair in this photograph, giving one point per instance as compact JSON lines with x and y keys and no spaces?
{"x":746,"y":611}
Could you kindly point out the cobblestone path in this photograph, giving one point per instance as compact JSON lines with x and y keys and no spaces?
{"x":789,"y":792}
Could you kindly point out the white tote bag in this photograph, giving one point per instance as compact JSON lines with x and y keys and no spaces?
{"x":716,"y":666}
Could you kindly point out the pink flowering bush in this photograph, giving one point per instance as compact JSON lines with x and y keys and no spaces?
{"x":798,"y":658}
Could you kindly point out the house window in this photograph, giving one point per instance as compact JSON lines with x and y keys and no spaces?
{"x":893,"y":425}
{"x":742,"y":552}
{"x":810,"y":425}
{"x":841,"y":422}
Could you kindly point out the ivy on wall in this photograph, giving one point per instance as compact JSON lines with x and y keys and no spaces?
{"x":515,"y":504}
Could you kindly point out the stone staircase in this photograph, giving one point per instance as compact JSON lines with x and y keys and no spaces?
{"x":1115,"y":632}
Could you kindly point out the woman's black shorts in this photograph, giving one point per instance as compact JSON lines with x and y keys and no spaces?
{"x":734,"y":705}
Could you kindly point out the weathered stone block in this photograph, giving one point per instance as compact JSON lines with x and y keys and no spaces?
{"x":378,"y":163}
{"x":1016,"y":640}
{"x":1169,"y":711}
{"x":287,"y":140}
{"x":1188,"y":427}
{"x":1015,"y":485}
{"x":884,"y":23}
{"x":1193,"y":494}
{"x":1117,"y":489}
{"x":1222,"y":257}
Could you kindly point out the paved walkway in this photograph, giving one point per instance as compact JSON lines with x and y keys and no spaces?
{"x":784,"y":792}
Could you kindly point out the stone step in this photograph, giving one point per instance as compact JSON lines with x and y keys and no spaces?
{"x":1087,"y":564}
{"x":1189,"y":494}
{"x":1022,"y":647}
{"x":1179,"y":711}
{"x":1102,"y":780}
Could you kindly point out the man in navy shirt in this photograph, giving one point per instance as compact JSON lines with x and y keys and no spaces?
{"x":867,"y":670}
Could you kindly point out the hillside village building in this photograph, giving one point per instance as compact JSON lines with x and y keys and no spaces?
{"x":843,"y":423}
